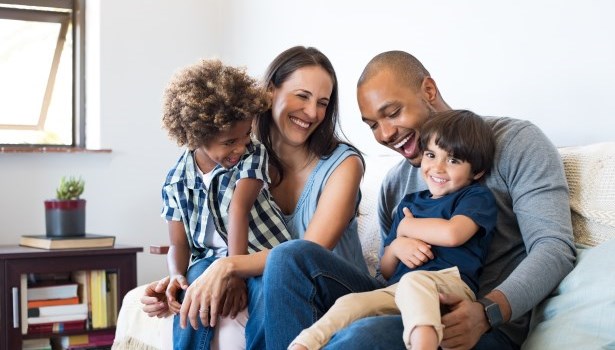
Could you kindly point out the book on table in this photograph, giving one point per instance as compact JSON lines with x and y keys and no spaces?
{"x":68,"y":242}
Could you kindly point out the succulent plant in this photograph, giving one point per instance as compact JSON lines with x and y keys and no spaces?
{"x":70,"y":188}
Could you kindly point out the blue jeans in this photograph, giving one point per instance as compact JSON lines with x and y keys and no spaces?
{"x":385,"y":332}
{"x":188,"y":338}
{"x":255,"y":327}
{"x":302,"y":280}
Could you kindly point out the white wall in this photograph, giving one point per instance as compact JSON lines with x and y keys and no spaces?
{"x":546,"y":61}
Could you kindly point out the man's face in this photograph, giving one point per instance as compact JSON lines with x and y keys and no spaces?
{"x":395,"y":113}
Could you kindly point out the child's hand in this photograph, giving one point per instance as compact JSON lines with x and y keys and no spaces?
{"x":236,"y":297}
{"x":411,"y":252}
{"x":176,"y":283}
{"x":404,"y":222}
{"x":154,"y":299}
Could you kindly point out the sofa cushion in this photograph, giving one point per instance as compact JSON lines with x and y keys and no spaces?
{"x":580,"y":312}
{"x":590,"y":172}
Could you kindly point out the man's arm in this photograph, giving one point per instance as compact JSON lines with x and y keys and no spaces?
{"x":529,"y":170}
{"x":533,"y":170}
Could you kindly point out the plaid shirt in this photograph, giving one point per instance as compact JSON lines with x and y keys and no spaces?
{"x":185,"y":198}
{"x":266,"y":227}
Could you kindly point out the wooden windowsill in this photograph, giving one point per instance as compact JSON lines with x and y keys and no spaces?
{"x":49,"y":149}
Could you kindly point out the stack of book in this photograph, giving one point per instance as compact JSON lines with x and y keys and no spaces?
{"x":54,"y":308}
{"x":78,"y":301}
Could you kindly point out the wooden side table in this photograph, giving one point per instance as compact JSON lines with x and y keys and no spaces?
{"x":18,"y":260}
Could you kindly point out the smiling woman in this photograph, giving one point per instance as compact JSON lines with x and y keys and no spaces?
{"x":40,"y":62}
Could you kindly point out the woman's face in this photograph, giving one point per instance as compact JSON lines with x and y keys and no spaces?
{"x":299,"y":104}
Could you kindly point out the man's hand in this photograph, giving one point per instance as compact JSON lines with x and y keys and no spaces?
{"x":464,"y":324}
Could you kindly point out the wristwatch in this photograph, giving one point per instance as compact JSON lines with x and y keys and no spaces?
{"x":492,"y":311}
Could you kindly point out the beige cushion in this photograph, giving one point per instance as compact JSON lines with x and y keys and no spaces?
{"x":590,"y":171}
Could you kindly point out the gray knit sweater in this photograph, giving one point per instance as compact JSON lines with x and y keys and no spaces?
{"x":532,"y":248}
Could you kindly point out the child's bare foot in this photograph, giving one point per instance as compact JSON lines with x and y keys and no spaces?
{"x":296,"y":346}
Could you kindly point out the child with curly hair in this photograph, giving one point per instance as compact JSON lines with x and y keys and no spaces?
{"x":216,"y":197}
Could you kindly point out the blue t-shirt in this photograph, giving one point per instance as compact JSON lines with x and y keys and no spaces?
{"x":474,"y":201}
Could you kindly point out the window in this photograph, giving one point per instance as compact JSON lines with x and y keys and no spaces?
{"x":41,"y":65}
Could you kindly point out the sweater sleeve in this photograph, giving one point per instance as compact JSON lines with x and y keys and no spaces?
{"x":531,"y":166}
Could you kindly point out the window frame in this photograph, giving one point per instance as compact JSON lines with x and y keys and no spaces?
{"x":77,"y":16}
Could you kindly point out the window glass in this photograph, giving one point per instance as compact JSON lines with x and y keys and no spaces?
{"x":36,"y":66}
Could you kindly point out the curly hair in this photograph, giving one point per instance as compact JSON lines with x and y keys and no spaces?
{"x":207,"y":97}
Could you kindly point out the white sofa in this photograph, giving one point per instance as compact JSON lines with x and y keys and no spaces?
{"x":580,"y":313}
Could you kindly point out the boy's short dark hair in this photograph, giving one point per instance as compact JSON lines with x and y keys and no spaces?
{"x":464,"y":135}
{"x":207,"y":97}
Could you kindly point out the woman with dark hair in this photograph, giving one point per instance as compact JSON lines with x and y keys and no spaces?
{"x":315,"y":183}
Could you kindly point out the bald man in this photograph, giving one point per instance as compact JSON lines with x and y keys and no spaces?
{"x":531,"y":252}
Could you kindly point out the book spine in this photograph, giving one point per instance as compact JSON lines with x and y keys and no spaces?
{"x":60,"y":291}
{"x":56,"y":327}
{"x":51,"y":302}
{"x":57,"y":310}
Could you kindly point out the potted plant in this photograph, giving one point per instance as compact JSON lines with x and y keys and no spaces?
{"x":65,"y":215}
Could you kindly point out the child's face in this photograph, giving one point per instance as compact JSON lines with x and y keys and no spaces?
{"x":228,"y":146}
{"x":443,"y":173}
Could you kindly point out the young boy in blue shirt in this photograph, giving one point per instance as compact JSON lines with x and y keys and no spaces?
{"x":438,"y":241}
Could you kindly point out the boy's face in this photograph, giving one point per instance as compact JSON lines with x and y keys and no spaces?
{"x":443,"y":173}
{"x":227,"y":147}
{"x":395,"y":113}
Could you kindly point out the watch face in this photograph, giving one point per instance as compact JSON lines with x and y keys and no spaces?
{"x":494,"y":314}
{"x":492,"y":311}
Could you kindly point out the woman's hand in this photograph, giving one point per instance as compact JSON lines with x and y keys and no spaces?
{"x":205,"y":297}
{"x":176,"y":283}
{"x":411,"y":252}
{"x":154,"y":299}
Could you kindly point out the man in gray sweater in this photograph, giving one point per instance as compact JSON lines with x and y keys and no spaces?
{"x":532,"y":248}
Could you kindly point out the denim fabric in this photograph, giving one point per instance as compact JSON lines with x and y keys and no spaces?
{"x":255,"y":330}
{"x":385,"y":332}
{"x":188,"y":338}
{"x":301,"y":282}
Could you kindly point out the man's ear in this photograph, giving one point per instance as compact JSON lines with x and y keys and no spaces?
{"x":429,"y":89}
{"x":479,"y":175}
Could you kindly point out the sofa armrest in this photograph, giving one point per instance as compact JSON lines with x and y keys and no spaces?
{"x":137,"y":331}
